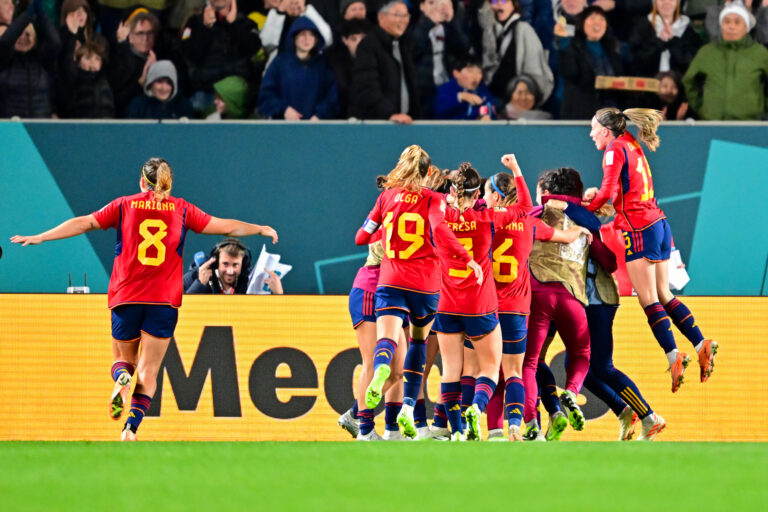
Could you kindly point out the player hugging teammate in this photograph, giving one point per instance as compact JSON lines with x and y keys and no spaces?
{"x":440,"y":252}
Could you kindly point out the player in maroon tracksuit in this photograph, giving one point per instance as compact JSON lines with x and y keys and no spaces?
{"x":512,"y":244}
{"x":146,"y":286}
{"x":648,"y":239}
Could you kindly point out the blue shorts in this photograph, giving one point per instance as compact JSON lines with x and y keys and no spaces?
{"x":361,"y":306}
{"x":472,"y":326}
{"x":130,"y":320}
{"x":514,"y":332}
{"x":654,"y":243}
{"x":421,"y":307}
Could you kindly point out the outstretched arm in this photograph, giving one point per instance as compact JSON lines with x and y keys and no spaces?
{"x":67,"y":229}
{"x":233,"y":227}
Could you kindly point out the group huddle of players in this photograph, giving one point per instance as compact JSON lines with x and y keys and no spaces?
{"x":469,"y":267}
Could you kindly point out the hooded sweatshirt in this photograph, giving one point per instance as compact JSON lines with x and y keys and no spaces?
{"x":234,"y":91}
{"x":307,"y":86}
{"x":148,"y":107}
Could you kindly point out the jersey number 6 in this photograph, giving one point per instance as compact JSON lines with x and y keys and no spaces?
{"x":499,"y":257}
{"x":152,"y":240}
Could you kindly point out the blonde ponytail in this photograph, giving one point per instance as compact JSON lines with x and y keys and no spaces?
{"x":158,"y":176}
{"x":646,"y":119}
{"x":413,"y":165}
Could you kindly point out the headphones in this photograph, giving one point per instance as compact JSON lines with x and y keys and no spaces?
{"x":237,"y":243}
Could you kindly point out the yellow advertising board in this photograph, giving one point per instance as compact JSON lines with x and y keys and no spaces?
{"x":282,"y":368}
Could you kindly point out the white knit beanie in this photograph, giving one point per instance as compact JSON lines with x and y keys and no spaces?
{"x":737,"y":7}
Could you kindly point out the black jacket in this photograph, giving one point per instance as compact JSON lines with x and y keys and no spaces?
{"x":193,"y":285}
{"x":456,"y":44}
{"x":82,"y":94}
{"x":646,"y":49}
{"x":223,"y":50}
{"x":26,"y":83}
{"x":580,"y":98}
{"x":375,"y":92}
{"x":341,"y":63}
{"x":123,"y":72}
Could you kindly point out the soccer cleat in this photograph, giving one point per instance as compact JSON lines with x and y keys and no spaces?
{"x":572,"y":409}
{"x":653,"y":424}
{"x":513,"y":433}
{"x":473,"y":423}
{"x":121,"y":394}
{"x":627,"y":421}
{"x":557,"y":425}
{"x":424,"y":433}
{"x":405,"y":420}
{"x":440,"y":433}
{"x":496,"y":434}
{"x":348,"y":423}
{"x":707,"y":358}
{"x":458,"y":437}
{"x":370,"y":436}
{"x":128,"y":434}
{"x":533,"y":432}
{"x":678,"y":369}
{"x":373,"y":394}
{"x":393,"y":435}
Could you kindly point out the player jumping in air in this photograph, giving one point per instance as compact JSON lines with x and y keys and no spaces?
{"x":627,"y":181}
{"x":146,"y":285}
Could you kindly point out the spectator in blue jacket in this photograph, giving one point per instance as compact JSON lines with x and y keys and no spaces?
{"x":299,"y":83}
{"x":465,"y":96}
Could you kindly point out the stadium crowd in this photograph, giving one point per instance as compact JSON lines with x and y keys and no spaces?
{"x":388,"y":59}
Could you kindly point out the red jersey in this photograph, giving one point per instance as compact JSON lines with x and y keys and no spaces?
{"x":627,"y":181}
{"x":512,"y":244}
{"x":413,"y":226}
{"x":460,"y":293}
{"x":149,"y":247}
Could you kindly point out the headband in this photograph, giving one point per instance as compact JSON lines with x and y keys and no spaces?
{"x":497,"y":189}
{"x":472,"y":189}
{"x":146,"y":178}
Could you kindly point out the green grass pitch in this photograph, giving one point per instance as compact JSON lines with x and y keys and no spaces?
{"x":419,"y":476}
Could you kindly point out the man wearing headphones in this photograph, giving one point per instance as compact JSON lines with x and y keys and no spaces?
{"x":227,"y":271}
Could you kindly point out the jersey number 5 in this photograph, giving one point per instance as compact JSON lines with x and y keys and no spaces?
{"x":499,"y":257}
{"x":416,"y":238}
{"x":152,"y":240}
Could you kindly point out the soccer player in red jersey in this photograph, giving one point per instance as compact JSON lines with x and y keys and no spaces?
{"x":512,"y":244}
{"x":363,"y":314}
{"x":413,"y":226}
{"x":469,"y":310}
{"x":627,"y":181}
{"x":146,"y":287}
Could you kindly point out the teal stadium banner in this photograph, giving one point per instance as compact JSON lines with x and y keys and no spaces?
{"x":315,"y":184}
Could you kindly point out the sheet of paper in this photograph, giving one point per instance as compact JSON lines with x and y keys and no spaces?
{"x":678,"y":276}
{"x":256,"y":284}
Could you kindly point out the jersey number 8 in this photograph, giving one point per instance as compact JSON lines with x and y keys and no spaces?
{"x":152,"y":240}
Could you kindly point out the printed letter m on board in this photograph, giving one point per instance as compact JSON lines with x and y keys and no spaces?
{"x":215,"y":355}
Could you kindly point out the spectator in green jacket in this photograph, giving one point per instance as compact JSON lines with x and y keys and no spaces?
{"x":727,"y":78}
